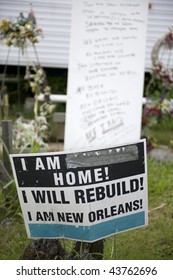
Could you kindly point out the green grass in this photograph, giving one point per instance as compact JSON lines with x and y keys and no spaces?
{"x":155,"y":240}
{"x":163,"y":131}
{"x":13,"y":240}
{"x":151,"y":242}
{"x":162,"y":138}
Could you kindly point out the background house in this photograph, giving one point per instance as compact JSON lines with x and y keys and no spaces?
{"x":54,"y":16}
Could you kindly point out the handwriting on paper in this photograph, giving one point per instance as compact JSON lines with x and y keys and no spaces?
{"x":106,"y":80}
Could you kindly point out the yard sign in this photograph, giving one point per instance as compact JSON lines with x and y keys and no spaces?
{"x":83,"y":195}
{"x":106,"y":72}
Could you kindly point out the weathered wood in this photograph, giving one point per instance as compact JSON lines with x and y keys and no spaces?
{"x":5,"y":106}
{"x":59,"y":118}
{"x":2,"y":94}
{"x":7,"y":143}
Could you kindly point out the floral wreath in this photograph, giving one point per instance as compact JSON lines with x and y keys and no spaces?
{"x":19,"y":33}
{"x":161,"y":71}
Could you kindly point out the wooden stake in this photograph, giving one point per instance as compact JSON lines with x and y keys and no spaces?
{"x":7,"y":143}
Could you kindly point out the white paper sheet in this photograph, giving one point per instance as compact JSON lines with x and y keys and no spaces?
{"x":106,"y":73}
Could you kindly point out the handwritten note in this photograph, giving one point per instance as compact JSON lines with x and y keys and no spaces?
{"x":106,"y":72}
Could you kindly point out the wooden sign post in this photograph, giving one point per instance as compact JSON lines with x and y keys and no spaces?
{"x":7,"y":143}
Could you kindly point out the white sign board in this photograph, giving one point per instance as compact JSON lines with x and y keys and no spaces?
{"x":106,"y":72}
{"x":83,"y":195}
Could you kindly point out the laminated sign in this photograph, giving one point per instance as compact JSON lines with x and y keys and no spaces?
{"x":84,"y":195}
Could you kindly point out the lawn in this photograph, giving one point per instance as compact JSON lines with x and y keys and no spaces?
{"x":151,"y":242}
{"x":155,"y":240}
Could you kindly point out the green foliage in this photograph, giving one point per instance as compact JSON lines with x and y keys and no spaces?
{"x":58,"y":84}
{"x":155,"y":88}
{"x":13,"y":240}
{"x":158,"y":112}
{"x":9,"y":204}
